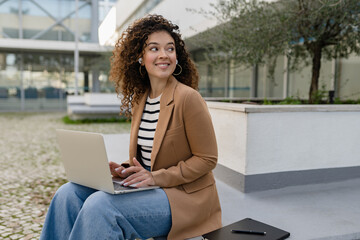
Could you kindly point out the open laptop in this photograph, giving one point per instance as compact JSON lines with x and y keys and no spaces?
{"x":86,"y":163}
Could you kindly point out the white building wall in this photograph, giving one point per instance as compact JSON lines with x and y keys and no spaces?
{"x":231,"y":142}
{"x":125,"y":9}
{"x":255,"y":139}
{"x":107,"y":29}
{"x":283,"y":141}
{"x":190,"y":23}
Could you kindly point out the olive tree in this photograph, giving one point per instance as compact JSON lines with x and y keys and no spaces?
{"x":254,"y":31}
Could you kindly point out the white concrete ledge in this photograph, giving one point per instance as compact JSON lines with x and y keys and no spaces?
{"x":102,"y":99}
{"x":83,"y":109}
{"x":93,"y":106}
{"x":253,"y":108}
{"x":75,"y":100}
{"x":275,"y":146}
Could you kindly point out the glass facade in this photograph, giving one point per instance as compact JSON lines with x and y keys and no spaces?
{"x":212,"y":80}
{"x":33,"y":80}
{"x":45,"y":79}
{"x":348,"y":82}
{"x":9,"y":21}
{"x":299,"y":82}
{"x":240,"y":81}
{"x":104,"y":8}
{"x":231,"y":80}
{"x":271,"y":87}
{"x":45,"y":20}
{"x":224,"y":80}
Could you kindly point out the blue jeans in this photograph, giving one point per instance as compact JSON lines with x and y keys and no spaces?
{"x":78,"y":212}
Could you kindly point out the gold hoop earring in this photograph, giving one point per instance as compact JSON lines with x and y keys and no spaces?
{"x":176,"y":74}
{"x":140,"y":71}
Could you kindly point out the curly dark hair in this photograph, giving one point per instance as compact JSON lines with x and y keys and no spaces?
{"x":130,"y":84}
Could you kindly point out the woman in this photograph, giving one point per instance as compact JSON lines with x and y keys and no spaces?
{"x":172,"y":145}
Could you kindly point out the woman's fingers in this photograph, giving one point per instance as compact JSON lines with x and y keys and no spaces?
{"x":133,"y":169}
{"x":135,"y":174}
{"x":144,"y":183}
{"x":117,"y":170}
{"x":114,"y":166}
{"x":133,"y":178}
{"x":136,"y":162}
{"x":141,"y":179}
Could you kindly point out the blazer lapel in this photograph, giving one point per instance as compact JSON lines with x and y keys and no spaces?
{"x":166,"y":109}
{"x":135,"y":124}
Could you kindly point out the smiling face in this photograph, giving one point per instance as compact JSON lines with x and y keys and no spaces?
{"x":159,"y":56}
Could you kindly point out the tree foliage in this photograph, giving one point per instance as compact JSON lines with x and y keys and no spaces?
{"x":252,"y":32}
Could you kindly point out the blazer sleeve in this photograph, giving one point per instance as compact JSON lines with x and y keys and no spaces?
{"x":202,"y":141}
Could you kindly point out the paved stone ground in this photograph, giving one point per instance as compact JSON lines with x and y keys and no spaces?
{"x":31,"y":170}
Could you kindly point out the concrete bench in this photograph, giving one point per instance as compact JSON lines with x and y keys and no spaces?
{"x":275,"y":146}
{"x":93,"y":106}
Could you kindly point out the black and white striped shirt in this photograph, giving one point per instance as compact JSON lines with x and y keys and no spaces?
{"x":147,"y":128}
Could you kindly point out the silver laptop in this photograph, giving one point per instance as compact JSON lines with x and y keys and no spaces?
{"x":86,"y":163}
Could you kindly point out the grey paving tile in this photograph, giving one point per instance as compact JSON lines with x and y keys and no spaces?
{"x":31,"y":170}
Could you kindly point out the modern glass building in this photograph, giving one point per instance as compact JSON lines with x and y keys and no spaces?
{"x":39,"y":66}
{"x":231,"y":80}
{"x":39,"y":41}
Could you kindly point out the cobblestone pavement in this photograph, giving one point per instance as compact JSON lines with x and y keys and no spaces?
{"x":31,"y":170}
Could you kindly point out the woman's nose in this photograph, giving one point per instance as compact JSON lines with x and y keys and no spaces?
{"x":162,"y":53}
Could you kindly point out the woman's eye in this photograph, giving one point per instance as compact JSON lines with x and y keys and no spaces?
{"x":153,"y":49}
{"x":171,"y":49}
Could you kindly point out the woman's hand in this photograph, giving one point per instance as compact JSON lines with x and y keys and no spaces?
{"x":138,"y":176}
{"x":117,"y":170}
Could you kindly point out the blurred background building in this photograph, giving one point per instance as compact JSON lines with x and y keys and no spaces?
{"x":37,"y":45}
{"x":37,"y":42}
{"x":230,"y":80}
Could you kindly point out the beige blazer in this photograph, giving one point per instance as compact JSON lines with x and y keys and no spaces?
{"x":183,"y":156}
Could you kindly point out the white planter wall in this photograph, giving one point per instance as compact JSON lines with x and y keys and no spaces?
{"x":231,"y":132}
{"x":255,"y":140}
{"x":302,"y":140}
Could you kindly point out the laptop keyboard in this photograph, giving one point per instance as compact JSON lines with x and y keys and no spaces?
{"x":119,"y":187}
